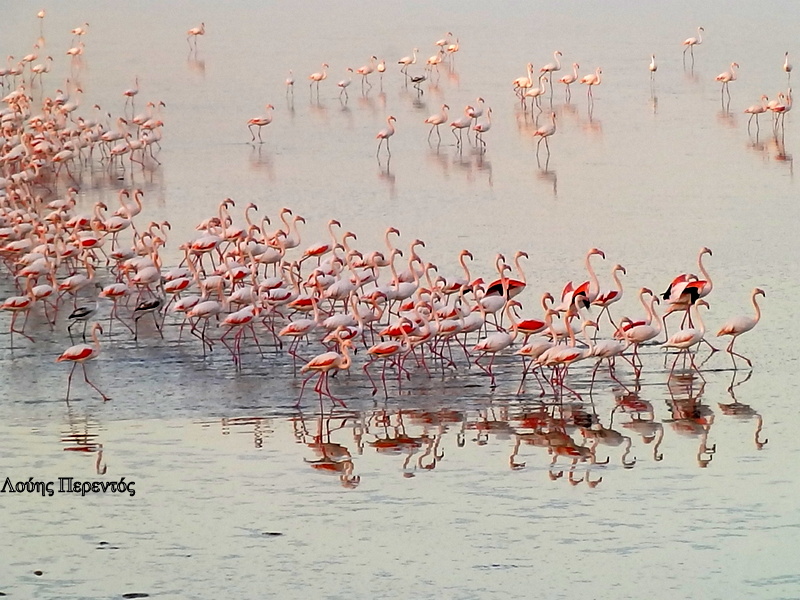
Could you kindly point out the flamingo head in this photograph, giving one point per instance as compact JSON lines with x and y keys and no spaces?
{"x":521,"y":253}
{"x":467,"y":253}
{"x":706,"y":250}
{"x":702,"y":303}
{"x":619,"y":267}
{"x":598,"y":252}
{"x":760,"y":291}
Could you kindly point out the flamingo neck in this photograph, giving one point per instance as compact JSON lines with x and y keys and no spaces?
{"x":594,"y":284}
{"x":617,"y":282}
{"x":659,"y":322}
{"x":757,"y":307}
{"x":706,"y":276}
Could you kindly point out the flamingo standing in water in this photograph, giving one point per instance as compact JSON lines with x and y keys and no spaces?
{"x":545,"y":132}
{"x":345,"y":83}
{"x":192,"y":34}
{"x":591,"y":81}
{"x":741,"y":324}
{"x":318,"y":76}
{"x":787,"y":67}
{"x":323,"y":364}
{"x":653,"y":67}
{"x":690,"y":43}
{"x":260,"y":122}
{"x":755,"y":110}
{"x":496,"y":342}
{"x":385,"y":134}
{"x":435,"y":120}
{"x":483,"y":127}
{"x":684,"y":339}
{"x":725,"y":78}
{"x":80,"y":354}
{"x":569,"y":79}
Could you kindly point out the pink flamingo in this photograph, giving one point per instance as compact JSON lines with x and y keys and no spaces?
{"x":385,"y":134}
{"x":323,"y":364}
{"x":80,"y":353}
{"x":742,"y":324}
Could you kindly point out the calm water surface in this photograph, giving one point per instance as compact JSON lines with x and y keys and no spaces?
{"x":444,"y":489}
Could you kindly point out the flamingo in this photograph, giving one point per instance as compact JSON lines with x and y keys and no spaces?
{"x":787,"y":67}
{"x":496,"y":342}
{"x":323,"y":364}
{"x":591,"y":81}
{"x":535,"y":93}
{"x":690,"y":43}
{"x":381,"y":68}
{"x":523,"y":83}
{"x":462,"y":123}
{"x":483,"y":127}
{"x":19,"y":304}
{"x":653,"y":67}
{"x":365,"y":71}
{"x":193,"y":33}
{"x":345,"y":83}
{"x":569,"y":79}
{"x":81,"y":353}
{"x":408,"y":60}
{"x":607,"y":299}
{"x":385,"y":134}
{"x":131,"y":92}
{"x":552,"y":67}
{"x":686,"y":288}
{"x":545,"y":132}
{"x":742,"y":324}
{"x":725,"y":78}
{"x":318,"y":76}
{"x":386,"y":350}
{"x":686,"y":338}
{"x":260,"y":122}
{"x":781,"y":108}
{"x":755,"y":110}
{"x":435,"y":120}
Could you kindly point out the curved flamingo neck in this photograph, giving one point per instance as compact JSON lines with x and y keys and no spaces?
{"x":659,"y":321}
{"x":701,"y":327}
{"x":617,"y":281}
{"x":756,"y":306}
{"x":594,"y":284}
{"x":464,"y":266}
{"x":519,"y":269}
{"x":706,"y":276}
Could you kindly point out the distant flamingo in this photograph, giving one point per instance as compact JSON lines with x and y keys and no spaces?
{"x":483,"y":127}
{"x":568,"y":80}
{"x":726,"y":77}
{"x":406,"y":61}
{"x":131,"y":93}
{"x":345,"y":83}
{"x":318,"y":76}
{"x":462,"y":123}
{"x":684,"y":339}
{"x":690,"y":43}
{"x":260,"y":122}
{"x":192,"y":35}
{"x":521,"y":84}
{"x":365,"y":71}
{"x":323,"y":364}
{"x":591,"y":81}
{"x":787,"y":67}
{"x":653,"y":67}
{"x":755,"y":110}
{"x":741,"y":324}
{"x":289,"y":82}
{"x":435,"y":120}
{"x":385,"y":134}
{"x":545,"y":132}
{"x":80,"y":353}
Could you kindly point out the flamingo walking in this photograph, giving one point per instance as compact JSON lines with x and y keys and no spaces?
{"x":741,"y":324}
{"x":569,"y":79}
{"x":690,"y":43}
{"x":725,"y":78}
{"x":318,"y":76}
{"x":323,"y":364}
{"x":755,"y":110}
{"x":261,"y":121}
{"x":193,"y":33}
{"x":545,"y":132}
{"x":435,"y":120}
{"x":592,"y":80}
{"x":385,"y":134}
{"x":81,"y":353}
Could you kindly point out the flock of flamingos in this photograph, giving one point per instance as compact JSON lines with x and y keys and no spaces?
{"x":247,"y":279}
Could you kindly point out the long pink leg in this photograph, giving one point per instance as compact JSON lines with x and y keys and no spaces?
{"x":86,"y":379}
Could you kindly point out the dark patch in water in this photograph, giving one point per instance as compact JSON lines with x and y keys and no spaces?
{"x":271,"y":533}
{"x":135,"y":595}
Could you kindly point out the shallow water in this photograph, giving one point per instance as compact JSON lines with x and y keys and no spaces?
{"x":425,"y":492}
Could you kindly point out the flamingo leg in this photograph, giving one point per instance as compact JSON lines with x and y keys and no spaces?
{"x":86,"y":379}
